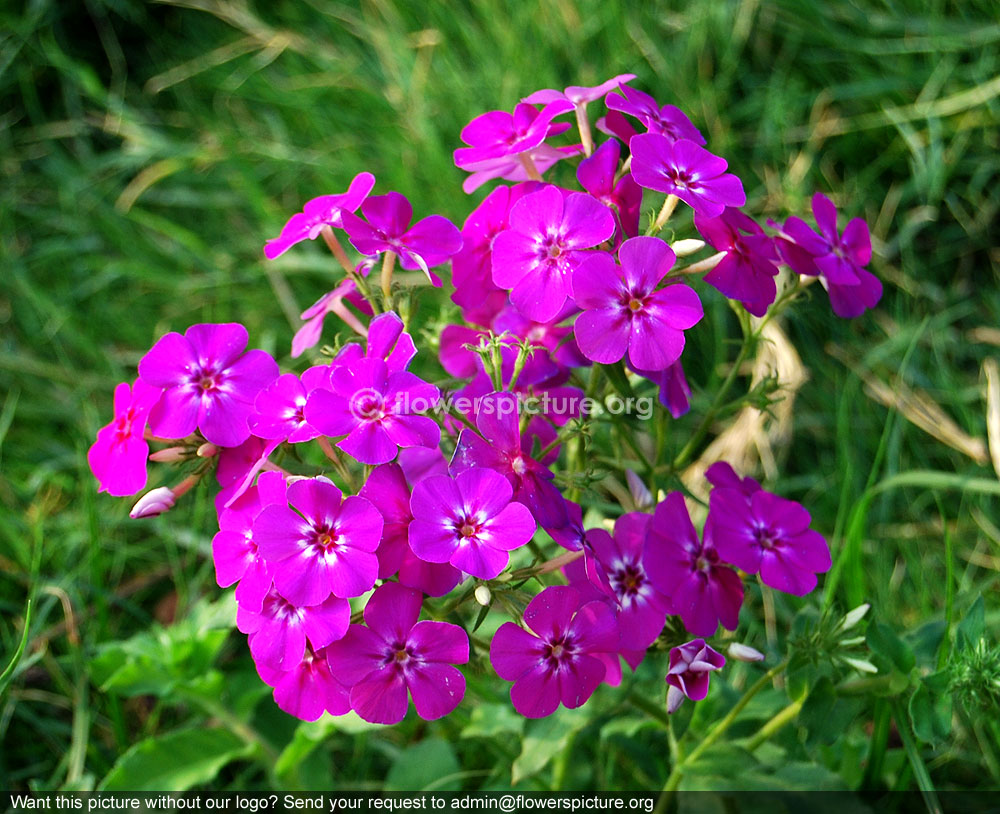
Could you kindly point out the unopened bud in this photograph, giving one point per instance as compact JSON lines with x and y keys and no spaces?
{"x":483,"y":595}
{"x":860,"y":665}
{"x":682,"y":248}
{"x":207,"y":450}
{"x":854,"y":616}
{"x":169,"y":455}
{"x":641,"y":495}
{"x":743,"y":652}
{"x":154,"y":502}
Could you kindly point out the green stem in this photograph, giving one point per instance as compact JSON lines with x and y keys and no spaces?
{"x":920,"y":773}
{"x":782,"y":717}
{"x":677,"y":773}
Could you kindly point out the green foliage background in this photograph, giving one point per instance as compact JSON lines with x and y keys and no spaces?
{"x":148,"y":150}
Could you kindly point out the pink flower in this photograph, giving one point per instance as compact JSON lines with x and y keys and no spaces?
{"x":118,"y":456}
{"x":427,"y":243}
{"x":748,"y":270}
{"x":208,"y":383}
{"x":319,"y":212}
{"x":545,"y":244}
{"x":325,"y":546}
{"x":376,"y":410}
{"x":625,"y":313}
{"x":597,"y":175}
{"x":279,"y":409}
{"x":498,"y":134}
{"x":308,"y":689}
{"x":469,"y":522}
{"x":512,"y":167}
{"x":332,"y":302}
{"x":279,"y":630}
{"x":668,"y":120}
{"x":395,"y":655}
{"x":578,"y":96}
{"x":557,"y":662}
{"x":688,"y":674}
{"x":702,"y":589}
{"x":154,"y":502}
{"x":684,"y":169}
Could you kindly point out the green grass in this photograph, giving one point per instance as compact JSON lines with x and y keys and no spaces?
{"x":147,"y":151}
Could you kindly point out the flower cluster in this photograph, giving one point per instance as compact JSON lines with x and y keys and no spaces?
{"x":560,"y":292}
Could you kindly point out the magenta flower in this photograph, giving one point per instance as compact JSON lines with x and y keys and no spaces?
{"x":761,"y":532}
{"x":623,"y":311}
{"x":498,"y":134}
{"x":279,"y":409}
{"x":429,"y":242}
{"x":396,"y":654}
{"x":208,"y":383}
{"x":578,"y":96}
{"x":545,"y":244}
{"x":376,"y":410}
{"x":515,"y":167}
{"x":387,"y":490}
{"x":279,"y":630}
{"x":675,"y":393}
{"x":555,"y":338}
{"x":500,"y":448}
{"x":688,"y":674}
{"x":684,"y":169}
{"x":118,"y":456}
{"x":748,"y":270}
{"x":389,"y":342}
{"x":557,"y":661}
{"x":325,"y":546}
{"x":668,"y":120}
{"x":617,"y":563}
{"x":469,"y":521}
{"x":702,"y":589}
{"x":234,"y":551}
{"x":839,"y":259}
{"x":319,"y":212}
{"x":237,"y":468}
{"x":597,"y":175}
{"x":308,"y":689}
{"x":332,"y":302}
{"x":571,"y":535}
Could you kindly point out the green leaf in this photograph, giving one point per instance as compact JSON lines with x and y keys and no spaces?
{"x":825,"y":715}
{"x":545,"y":738}
{"x":930,"y":714}
{"x":884,"y":642}
{"x":175,"y":761}
{"x":490,"y":720}
{"x":619,"y":380}
{"x":971,"y":629}
{"x":429,"y":765}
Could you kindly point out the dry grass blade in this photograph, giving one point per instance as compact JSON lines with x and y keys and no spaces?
{"x":992,"y":372}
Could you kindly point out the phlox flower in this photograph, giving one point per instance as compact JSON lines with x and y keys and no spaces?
{"x":499,"y":447}
{"x":748,"y":270}
{"x":279,"y":409}
{"x":319,"y":212}
{"x":760,"y":532}
{"x":208,"y":383}
{"x":376,"y":410}
{"x":393,"y":654}
{"x":675,"y":393}
{"x":597,"y":175}
{"x":689,"y":672}
{"x":669,"y":121}
{"x":280,"y":630}
{"x":118,"y":456}
{"x":701,"y":588}
{"x":237,"y":468}
{"x":684,"y":169}
{"x":571,"y":535}
{"x":515,"y":167}
{"x":469,"y":521}
{"x":556,"y":660}
{"x":425,"y":244}
{"x":309,"y":334}
{"x":320,"y":543}
{"x":387,"y":490}
{"x":236,"y":556}
{"x":616,"y":563}
{"x":839,"y":259}
{"x":545,"y":244}
{"x":625,"y":313}
{"x":577,"y":95}
{"x":498,"y":134}
{"x":308,"y":689}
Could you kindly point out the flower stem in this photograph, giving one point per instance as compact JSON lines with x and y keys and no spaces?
{"x":669,"y":205}
{"x":324,"y":444}
{"x":583,"y":125}
{"x":677,"y":773}
{"x":782,"y":717}
{"x":707,"y":264}
{"x":338,"y":251}
{"x":388,"y":264}
{"x":529,"y":166}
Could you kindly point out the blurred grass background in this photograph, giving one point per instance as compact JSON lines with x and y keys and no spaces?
{"x":148,"y":150}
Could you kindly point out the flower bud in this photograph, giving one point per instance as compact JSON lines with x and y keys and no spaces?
{"x":854,"y":616}
{"x":860,"y":665}
{"x":207,"y":450}
{"x":154,"y":502}
{"x":483,"y":595}
{"x":169,"y":455}
{"x":682,"y":248}
{"x":743,"y":652}
{"x":641,"y":495}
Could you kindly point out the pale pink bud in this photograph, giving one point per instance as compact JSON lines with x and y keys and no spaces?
{"x":170,"y":455}
{"x":641,"y":495}
{"x":207,"y":450}
{"x":742,"y":652}
{"x":154,"y":502}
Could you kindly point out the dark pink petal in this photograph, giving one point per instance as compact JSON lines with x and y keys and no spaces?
{"x":369,"y":443}
{"x":353,"y":572}
{"x":727,"y":596}
{"x":653,"y":345}
{"x":514,"y":651}
{"x":231,"y":553}
{"x":498,"y":421}
{"x":436,"y":689}
{"x":223,"y":419}
{"x":778,"y":573}
{"x":603,"y":335}
{"x":511,"y":528}
{"x":166,"y":364}
{"x":585,"y":221}
{"x":380,"y":697}
{"x":484,"y":490}
{"x":482,"y":561}
{"x":542,"y":294}
{"x":221,"y":344}
{"x":319,"y":500}
{"x":356,"y":654}
{"x":359,"y":523}
{"x":597,"y":281}
{"x":595,"y":629}
{"x":254,"y":585}
{"x":440,"y":642}
{"x":175,"y":415}
{"x":280,"y":533}
{"x":645,"y":262}
{"x":578,"y":682}
{"x":536,"y":694}
{"x":330,"y":413}
{"x":413,"y":431}
{"x":432,"y":541}
{"x":326,"y":622}
{"x":549,"y":612}
{"x":392,"y":610}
